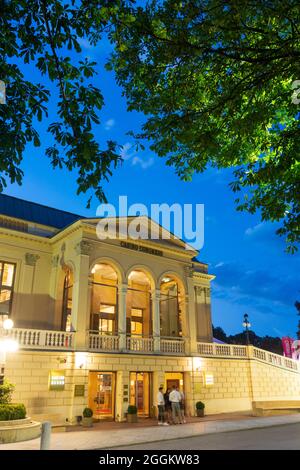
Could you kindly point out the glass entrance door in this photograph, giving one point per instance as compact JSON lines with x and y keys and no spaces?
{"x":140,"y":392}
{"x":101,"y":394}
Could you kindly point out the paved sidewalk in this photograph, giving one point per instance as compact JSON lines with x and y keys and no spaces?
{"x":124,"y":435}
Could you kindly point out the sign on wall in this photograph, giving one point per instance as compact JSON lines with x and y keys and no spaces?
{"x":79,"y":391}
{"x":57,"y":380}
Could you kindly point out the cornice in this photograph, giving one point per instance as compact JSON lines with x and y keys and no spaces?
{"x":10,"y":233}
{"x":186,"y":254}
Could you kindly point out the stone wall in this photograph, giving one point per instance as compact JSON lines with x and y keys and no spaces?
{"x":236,"y":382}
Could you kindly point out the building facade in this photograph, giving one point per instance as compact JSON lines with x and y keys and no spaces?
{"x":104,"y":323}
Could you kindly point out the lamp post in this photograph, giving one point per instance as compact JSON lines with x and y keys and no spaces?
{"x":246,"y":325}
{"x":7,"y":344}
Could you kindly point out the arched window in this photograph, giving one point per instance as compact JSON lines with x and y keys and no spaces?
{"x":67,"y":301}
{"x":171,"y":307}
{"x":104,"y":303}
{"x":138,"y":304}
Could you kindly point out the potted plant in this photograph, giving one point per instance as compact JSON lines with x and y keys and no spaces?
{"x":87,"y":420}
{"x":132,"y":414}
{"x":200,"y":409}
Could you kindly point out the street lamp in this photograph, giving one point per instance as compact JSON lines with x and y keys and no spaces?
{"x":247,"y":325}
{"x":7,"y":344}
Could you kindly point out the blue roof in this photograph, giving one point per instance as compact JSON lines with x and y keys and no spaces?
{"x":33,"y":212}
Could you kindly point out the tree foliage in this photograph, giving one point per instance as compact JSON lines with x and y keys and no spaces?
{"x":46,"y":35}
{"x":269,"y":343}
{"x":214,"y":79}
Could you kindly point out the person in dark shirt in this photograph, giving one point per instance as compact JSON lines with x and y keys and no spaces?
{"x":168,"y":406}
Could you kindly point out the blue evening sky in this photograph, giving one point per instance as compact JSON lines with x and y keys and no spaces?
{"x":253,"y":273}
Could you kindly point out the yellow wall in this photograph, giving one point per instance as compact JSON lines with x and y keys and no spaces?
{"x":237,"y":382}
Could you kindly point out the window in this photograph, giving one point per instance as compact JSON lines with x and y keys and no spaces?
{"x":136,"y":326}
{"x":104,"y":321}
{"x":67,"y":302}
{"x":7,"y":277}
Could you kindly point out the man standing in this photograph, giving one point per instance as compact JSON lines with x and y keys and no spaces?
{"x":161,"y":407}
{"x":175,"y":399}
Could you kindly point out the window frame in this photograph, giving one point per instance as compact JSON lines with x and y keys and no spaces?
{"x":10,"y":288}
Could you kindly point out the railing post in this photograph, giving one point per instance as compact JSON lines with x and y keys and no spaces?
{"x":45,"y":436}
{"x":249,"y":351}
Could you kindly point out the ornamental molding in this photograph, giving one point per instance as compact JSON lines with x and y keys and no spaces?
{"x":31,"y":259}
{"x":54,"y":261}
{"x":83,"y":248}
{"x":188,"y":271}
{"x":200,"y":289}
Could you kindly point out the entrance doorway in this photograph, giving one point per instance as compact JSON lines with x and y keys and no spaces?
{"x":174,"y":378}
{"x":140,"y":396}
{"x":102,"y":394}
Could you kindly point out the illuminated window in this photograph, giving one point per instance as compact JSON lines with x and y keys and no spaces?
{"x":136,"y":325}
{"x":103,"y":318}
{"x":67,"y":302}
{"x":7,"y":277}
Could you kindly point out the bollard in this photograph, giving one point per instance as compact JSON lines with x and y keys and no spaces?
{"x":45,"y":436}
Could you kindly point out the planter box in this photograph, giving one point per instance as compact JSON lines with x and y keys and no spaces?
{"x":19,"y":430}
{"x":132,"y":418}
{"x":87,"y":422}
{"x":200,"y":413}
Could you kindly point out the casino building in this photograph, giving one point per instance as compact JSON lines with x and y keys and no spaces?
{"x":104,"y":323}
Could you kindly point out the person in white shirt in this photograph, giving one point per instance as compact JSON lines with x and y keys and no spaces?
{"x":161,"y":407}
{"x":175,"y":399}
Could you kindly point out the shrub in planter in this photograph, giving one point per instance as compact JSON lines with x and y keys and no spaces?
{"x":200,"y":408}
{"x":132,"y":414}
{"x":87,"y":420}
{"x":6,"y":391}
{"x":12,"y":411}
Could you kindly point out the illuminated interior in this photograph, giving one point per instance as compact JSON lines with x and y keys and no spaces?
{"x":138,"y":304}
{"x":102,"y":394}
{"x":7,"y":276}
{"x":140,"y":392}
{"x":66,"y":324}
{"x":171,"y":307}
{"x":104,"y":299}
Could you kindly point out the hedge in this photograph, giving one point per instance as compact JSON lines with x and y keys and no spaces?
{"x":12,"y":411}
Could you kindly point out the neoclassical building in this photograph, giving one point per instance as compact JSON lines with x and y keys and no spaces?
{"x":104,"y":323}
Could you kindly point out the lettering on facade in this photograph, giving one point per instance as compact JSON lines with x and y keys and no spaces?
{"x":144,"y":249}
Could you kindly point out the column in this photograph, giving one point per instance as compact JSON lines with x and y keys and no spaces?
{"x":80,"y":311}
{"x":158,"y":380}
{"x":25,"y":314}
{"x":122,"y":395}
{"x":191,"y":314}
{"x":155,"y":294}
{"x":203,"y":315}
{"x":122,"y":293}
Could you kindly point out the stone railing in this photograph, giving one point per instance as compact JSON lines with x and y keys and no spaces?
{"x":225,"y":350}
{"x":172,"y":346}
{"x":139,"y":345}
{"x":41,"y":339}
{"x":239,"y":351}
{"x":103,"y":343}
{"x":275,"y":359}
